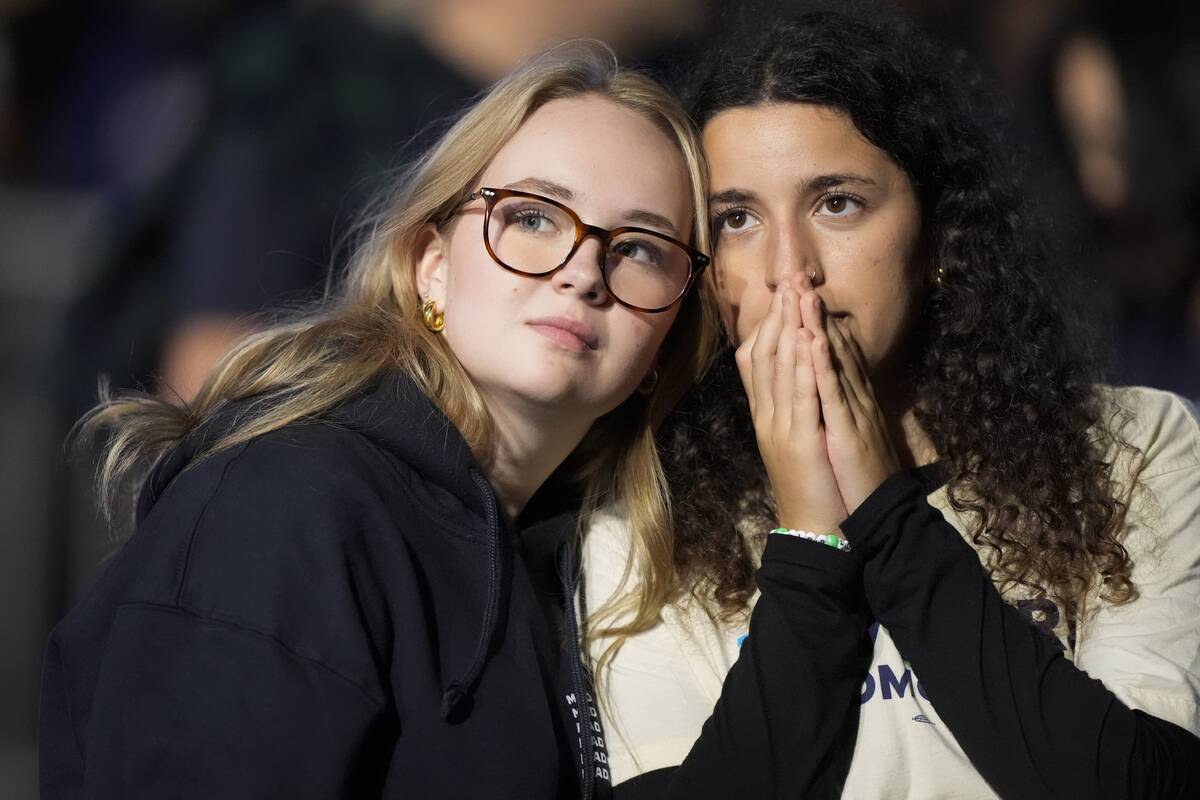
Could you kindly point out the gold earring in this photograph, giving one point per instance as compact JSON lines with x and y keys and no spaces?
{"x":649,"y":382}
{"x":940,"y":276}
{"x":433,"y":318}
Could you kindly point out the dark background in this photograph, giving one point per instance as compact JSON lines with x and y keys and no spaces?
{"x":169,"y":167}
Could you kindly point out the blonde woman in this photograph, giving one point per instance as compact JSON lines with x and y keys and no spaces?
{"x":348,"y":573}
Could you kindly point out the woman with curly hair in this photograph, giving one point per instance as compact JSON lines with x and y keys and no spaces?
{"x":926,"y":410}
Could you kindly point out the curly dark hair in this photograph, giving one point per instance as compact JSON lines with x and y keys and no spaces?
{"x":1004,"y":372}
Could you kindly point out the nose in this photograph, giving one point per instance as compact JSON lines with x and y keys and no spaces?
{"x":793,"y":252}
{"x":581,"y":275}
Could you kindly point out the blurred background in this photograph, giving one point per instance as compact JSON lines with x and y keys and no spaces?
{"x":170,"y":167}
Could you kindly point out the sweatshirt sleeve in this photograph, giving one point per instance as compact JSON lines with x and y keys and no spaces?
{"x":189,"y":707}
{"x":1030,"y":721}
{"x":785,"y":722}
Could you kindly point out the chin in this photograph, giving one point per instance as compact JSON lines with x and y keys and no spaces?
{"x":552,"y":397}
{"x":569,"y":400}
{"x":552,"y":389}
{"x":546,"y":387}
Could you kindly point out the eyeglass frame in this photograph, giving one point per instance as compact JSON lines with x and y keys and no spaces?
{"x":697,"y":261}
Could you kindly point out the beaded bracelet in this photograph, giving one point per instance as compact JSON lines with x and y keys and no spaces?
{"x":830,"y":539}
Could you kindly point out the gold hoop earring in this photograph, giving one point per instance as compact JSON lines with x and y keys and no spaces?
{"x":433,"y":318}
{"x":649,"y":382}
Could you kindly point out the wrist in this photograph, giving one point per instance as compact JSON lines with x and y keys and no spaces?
{"x":804,"y":518}
{"x":834,"y":540}
{"x":800,"y":522}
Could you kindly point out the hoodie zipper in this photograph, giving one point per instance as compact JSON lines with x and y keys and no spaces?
{"x":459,"y":691}
{"x":587,"y":742}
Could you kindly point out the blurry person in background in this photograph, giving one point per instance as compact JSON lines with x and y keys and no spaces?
{"x":309,"y":104}
{"x":1121,"y":114}
{"x":9,"y":116}
{"x":354,"y":562}
{"x":90,"y":95}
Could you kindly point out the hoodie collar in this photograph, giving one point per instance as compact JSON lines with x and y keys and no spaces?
{"x":400,"y":418}
{"x":391,"y":411}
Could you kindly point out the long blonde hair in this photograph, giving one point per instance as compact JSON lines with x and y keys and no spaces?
{"x":370,"y":323}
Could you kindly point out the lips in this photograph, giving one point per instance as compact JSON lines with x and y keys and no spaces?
{"x":566,"y":332}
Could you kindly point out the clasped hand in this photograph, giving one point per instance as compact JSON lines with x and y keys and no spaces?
{"x":822,"y":436}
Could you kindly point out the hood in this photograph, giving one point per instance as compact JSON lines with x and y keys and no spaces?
{"x":392,"y":412}
{"x":399,"y":419}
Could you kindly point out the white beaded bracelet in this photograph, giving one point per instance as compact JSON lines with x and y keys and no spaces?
{"x":830,"y":539}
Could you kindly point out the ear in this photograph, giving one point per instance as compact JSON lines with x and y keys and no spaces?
{"x":431,"y":264}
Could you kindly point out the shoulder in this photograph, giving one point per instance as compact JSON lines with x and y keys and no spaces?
{"x":313,"y":488}
{"x":1162,"y":428}
{"x":1157,"y":474}
{"x":282,"y":539}
{"x":284,"y":476}
{"x":283,"y":535}
{"x":608,"y":557}
{"x":1146,"y":650}
{"x":609,"y":534}
{"x":1156,"y":470}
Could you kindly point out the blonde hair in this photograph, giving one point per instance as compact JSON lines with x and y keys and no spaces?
{"x":371,"y":322}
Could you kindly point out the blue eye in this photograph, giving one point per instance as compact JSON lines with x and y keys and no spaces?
{"x":531,"y":220}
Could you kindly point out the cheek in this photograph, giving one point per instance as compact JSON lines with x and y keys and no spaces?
{"x":482,"y":302}
{"x":750,"y":314}
{"x":638,"y":338}
{"x":880,"y":332}
{"x":884,"y":315}
{"x":635,"y":342}
{"x":743,"y":299}
{"x":476,"y":286}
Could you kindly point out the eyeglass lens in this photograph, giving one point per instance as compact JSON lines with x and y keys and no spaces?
{"x":535,"y":237}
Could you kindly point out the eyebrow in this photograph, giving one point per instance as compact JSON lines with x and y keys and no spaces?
{"x":557,"y":190}
{"x":651,"y":218}
{"x":819,"y":182}
{"x":543,"y":186}
{"x":815,"y":184}
{"x":731,"y":196}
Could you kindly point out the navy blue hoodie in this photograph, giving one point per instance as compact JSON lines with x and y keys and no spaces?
{"x":335,"y":609}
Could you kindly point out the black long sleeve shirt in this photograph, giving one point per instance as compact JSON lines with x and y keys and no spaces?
{"x":1032,"y":723}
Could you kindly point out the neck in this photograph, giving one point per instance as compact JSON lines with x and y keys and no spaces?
{"x":530,"y":444}
{"x":913,"y":445}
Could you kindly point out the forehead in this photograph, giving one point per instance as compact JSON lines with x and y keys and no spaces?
{"x":611,"y":158}
{"x":781,"y":142}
